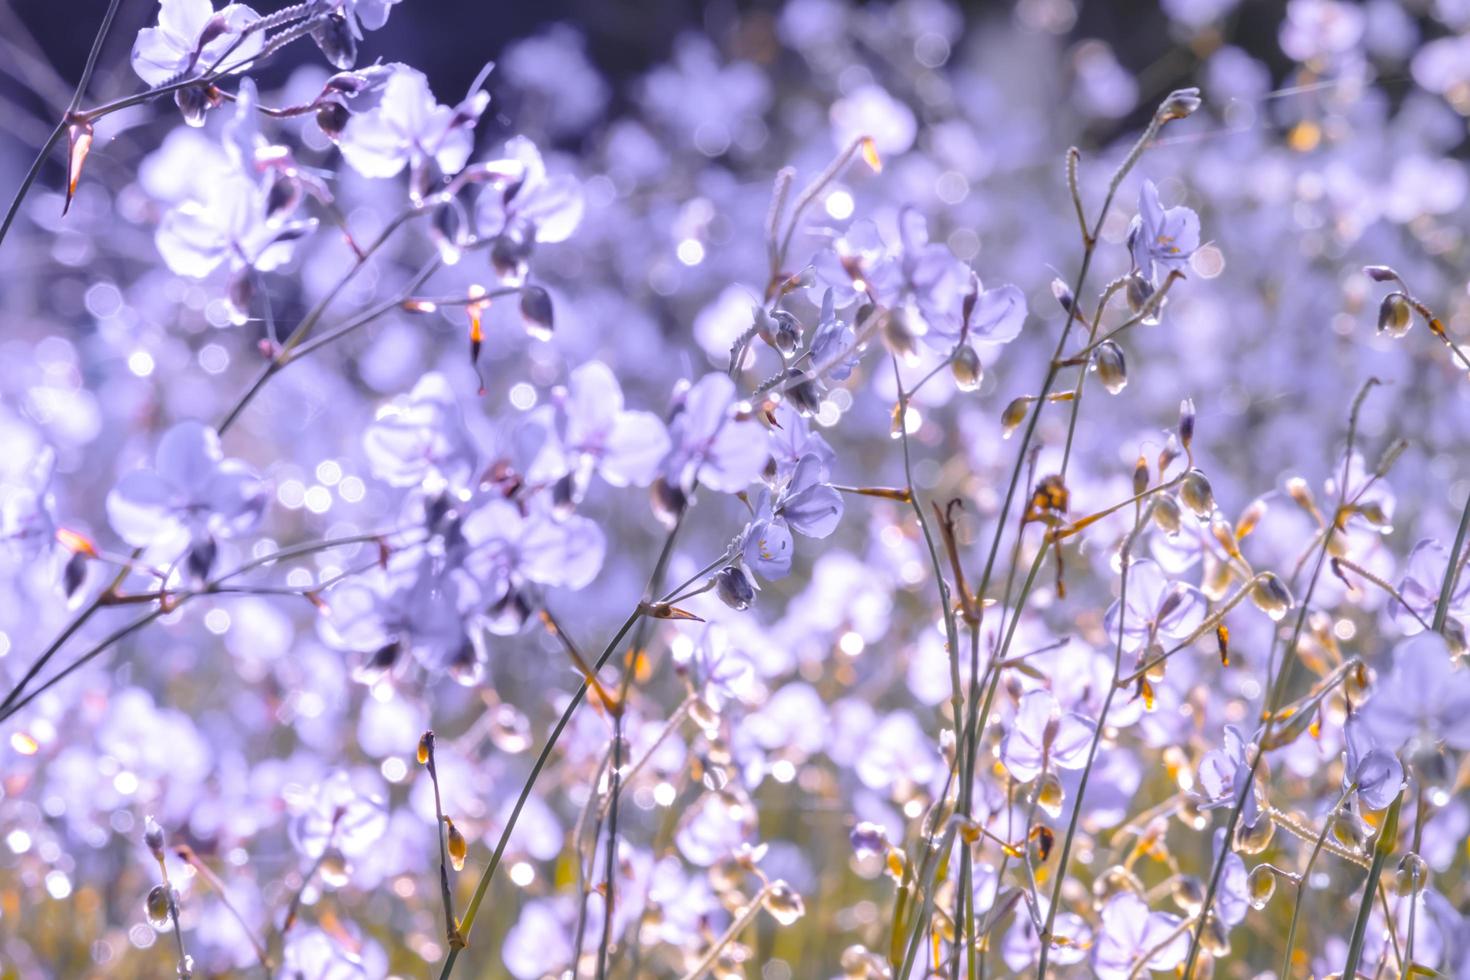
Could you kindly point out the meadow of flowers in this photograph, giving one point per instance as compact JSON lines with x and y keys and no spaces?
{"x":889,"y":492}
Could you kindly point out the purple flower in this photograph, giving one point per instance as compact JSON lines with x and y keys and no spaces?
{"x":508,"y":549}
{"x":410,"y":606}
{"x":408,"y":128}
{"x":592,"y":432}
{"x":1130,"y":932}
{"x":337,"y":813}
{"x":1425,"y":697}
{"x":1156,"y":607}
{"x":191,"y":496}
{"x":191,"y":37}
{"x":419,"y":439}
{"x":1042,"y":736}
{"x":1161,"y":240}
{"x":234,"y":224}
{"x":1373,"y":772}
{"x":529,"y":205}
{"x":1423,"y":578}
{"x":805,"y":504}
{"x":27,"y":524}
{"x":715,"y":441}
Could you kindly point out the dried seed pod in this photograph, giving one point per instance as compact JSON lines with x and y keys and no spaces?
{"x":1412,"y":875}
{"x":966,"y":368}
{"x":1255,"y":838}
{"x":784,"y":904}
{"x":1013,"y":416}
{"x":1196,"y":493}
{"x":158,"y":906}
{"x":1188,"y":893}
{"x":1111,"y":366}
{"x":1271,"y":595}
{"x":1395,"y":315}
{"x":1050,"y":795}
{"x":1261,"y":885}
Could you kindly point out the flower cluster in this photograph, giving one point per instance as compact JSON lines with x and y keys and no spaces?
{"x":874,"y":496}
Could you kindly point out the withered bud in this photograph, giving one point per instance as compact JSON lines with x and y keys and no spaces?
{"x":734,"y":587}
{"x":74,"y":574}
{"x":803,"y":393}
{"x":536,"y":312}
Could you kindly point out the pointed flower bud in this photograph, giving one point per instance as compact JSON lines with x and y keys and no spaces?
{"x":457,"y":846}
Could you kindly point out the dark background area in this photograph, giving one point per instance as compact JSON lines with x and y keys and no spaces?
{"x":450,"y":40}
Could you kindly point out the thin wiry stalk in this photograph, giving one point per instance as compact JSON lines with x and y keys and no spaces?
{"x":1276,"y":685}
{"x":1139,"y":520}
{"x":1302,"y":884}
{"x":1387,"y":838}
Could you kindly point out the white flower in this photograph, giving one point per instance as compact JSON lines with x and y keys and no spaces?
{"x":408,"y":128}
{"x":191,"y":37}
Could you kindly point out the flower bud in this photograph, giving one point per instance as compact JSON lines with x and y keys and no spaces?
{"x":1063,"y":293}
{"x":1271,"y":596}
{"x":535,"y":312}
{"x":804,"y":394}
{"x":868,"y":838}
{"x":1196,"y":493}
{"x":1412,"y":875}
{"x":1140,"y":475}
{"x":334,"y":36}
{"x":734,"y":587}
{"x":1050,"y":795}
{"x":1260,"y":886}
{"x":426,"y":747}
{"x":457,"y":846}
{"x":1167,"y":514}
{"x":193,"y":103}
{"x":899,"y":337}
{"x":1138,"y":292}
{"x":153,"y":837}
{"x":334,"y":871}
{"x":787,"y":334}
{"x":1380,"y":273}
{"x":1111,"y":366}
{"x":331,"y":117}
{"x":668,"y":501}
{"x":1013,"y":416}
{"x":1255,"y":838}
{"x":966,"y":367}
{"x":158,"y":906}
{"x":1188,"y":893}
{"x":1348,"y":829}
{"x":1180,"y":104}
{"x":1186,"y":423}
{"x":1395,"y":316}
{"x":784,"y":904}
